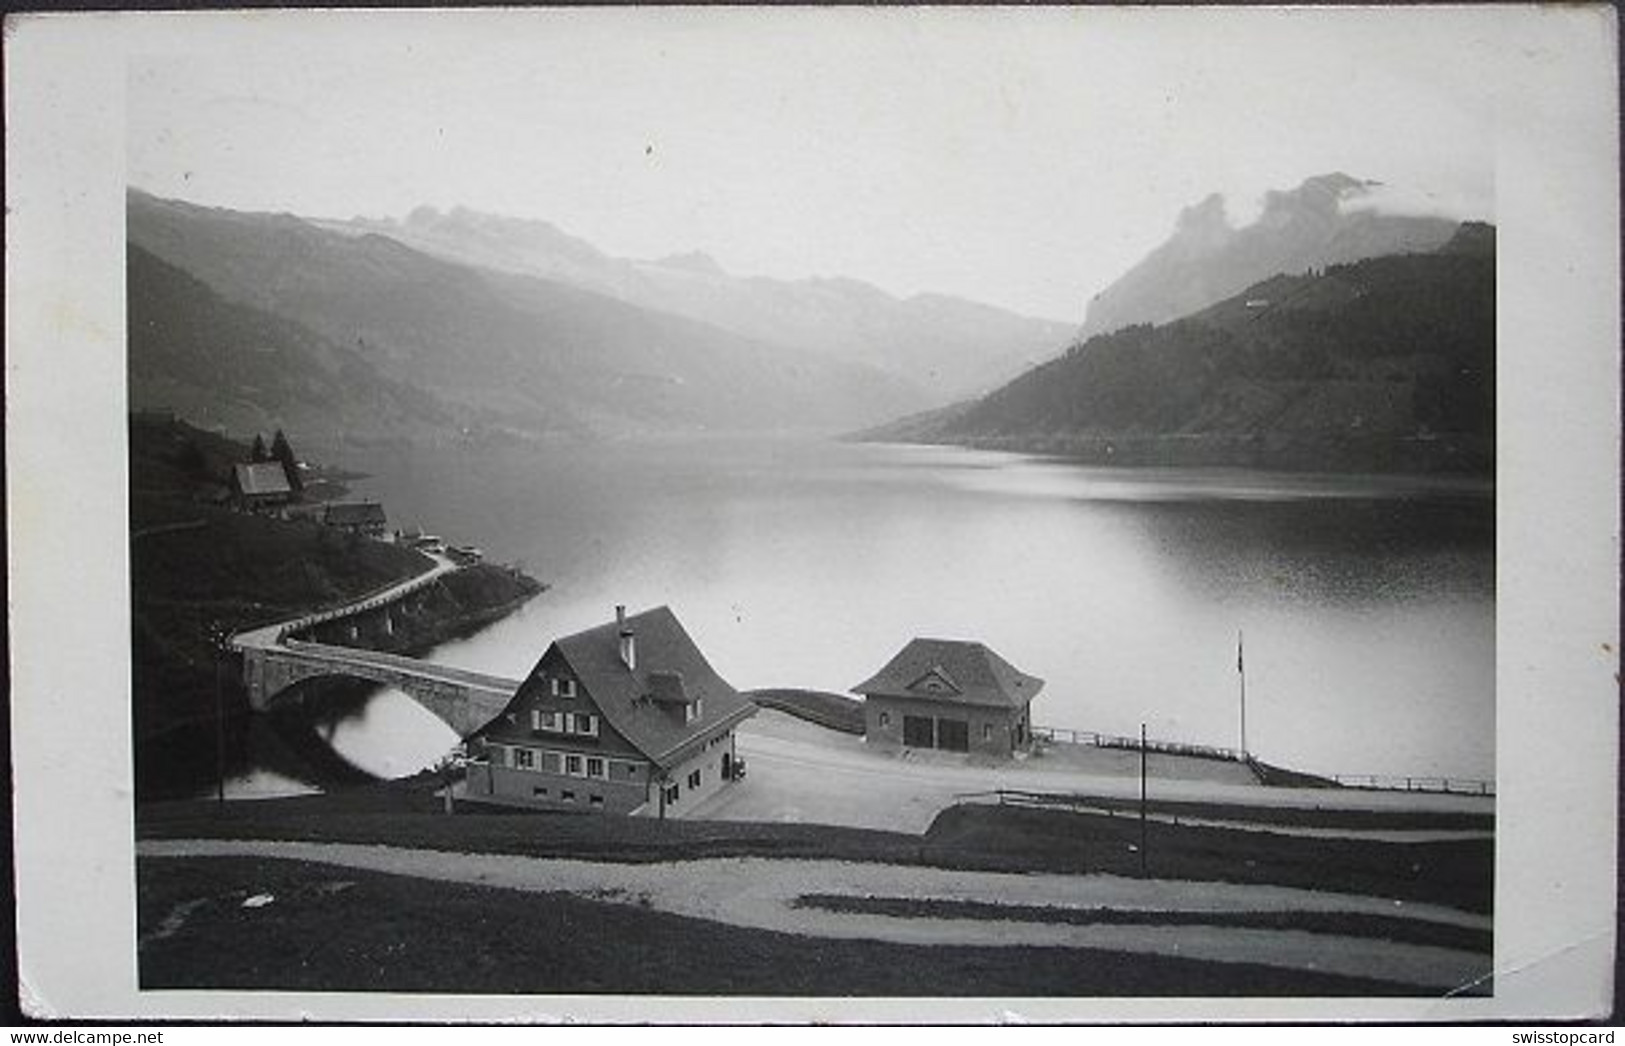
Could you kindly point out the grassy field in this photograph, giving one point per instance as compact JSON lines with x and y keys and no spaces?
{"x":341,"y":930}
{"x":990,"y":838}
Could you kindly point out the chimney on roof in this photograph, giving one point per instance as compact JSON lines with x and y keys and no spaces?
{"x":629,"y":641}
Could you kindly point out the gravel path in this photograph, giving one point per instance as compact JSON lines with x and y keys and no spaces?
{"x":759,"y":893}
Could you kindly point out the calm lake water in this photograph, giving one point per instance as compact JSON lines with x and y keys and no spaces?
{"x":1367,"y":603}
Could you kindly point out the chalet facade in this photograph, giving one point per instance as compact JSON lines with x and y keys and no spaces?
{"x":260,"y":484}
{"x":624,"y":718}
{"x":949,"y":694}
{"x":358,"y":517}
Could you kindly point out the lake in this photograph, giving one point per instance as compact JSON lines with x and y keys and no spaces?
{"x":1367,"y":603}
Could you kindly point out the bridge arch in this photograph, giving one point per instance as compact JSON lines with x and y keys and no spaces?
{"x":464,"y":701}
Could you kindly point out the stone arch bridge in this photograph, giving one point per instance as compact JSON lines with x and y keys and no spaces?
{"x":273,"y":662}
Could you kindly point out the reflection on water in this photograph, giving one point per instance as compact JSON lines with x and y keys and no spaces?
{"x":1368,"y":603}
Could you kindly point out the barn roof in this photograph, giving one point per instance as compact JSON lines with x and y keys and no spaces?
{"x":952,"y":670}
{"x":639,"y":703}
{"x":261,"y":477}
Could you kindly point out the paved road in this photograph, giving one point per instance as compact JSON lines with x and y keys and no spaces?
{"x":268,"y":636}
{"x":761,"y":893}
{"x":802,"y":772}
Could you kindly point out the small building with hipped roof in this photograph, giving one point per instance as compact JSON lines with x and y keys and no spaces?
{"x":950,"y":694}
{"x":626,"y":718}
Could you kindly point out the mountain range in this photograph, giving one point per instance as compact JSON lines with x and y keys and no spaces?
{"x":342,"y":319}
{"x":947,"y":347}
{"x":1383,"y":364}
{"x":1327,"y":220}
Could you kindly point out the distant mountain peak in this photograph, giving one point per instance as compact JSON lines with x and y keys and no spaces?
{"x":1326,"y":219}
{"x":692,"y":261}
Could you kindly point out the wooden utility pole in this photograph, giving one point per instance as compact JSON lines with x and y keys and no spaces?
{"x":1241,"y":672}
{"x":218,"y":644}
{"x":1142,"y":800}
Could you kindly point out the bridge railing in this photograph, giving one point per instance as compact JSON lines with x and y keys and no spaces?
{"x":361,"y":604}
{"x":1375,"y":782}
{"x":1397,"y":783}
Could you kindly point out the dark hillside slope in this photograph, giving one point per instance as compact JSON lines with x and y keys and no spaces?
{"x":507,"y":351}
{"x":246,"y":370}
{"x":1384,"y":364}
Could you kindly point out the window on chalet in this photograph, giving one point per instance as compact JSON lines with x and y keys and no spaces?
{"x":524,"y":758}
{"x":535,"y":719}
{"x":587,"y":724}
{"x":562,"y":687}
{"x":670,"y":793}
{"x":550,"y":762}
{"x":550,"y":721}
{"x":539,"y":791}
{"x":572,"y":765}
{"x":595,"y":767}
{"x":497,"y":754}
{"x":694,"y":779}
{"x":567,"y":796}
{"x":596,"y":800}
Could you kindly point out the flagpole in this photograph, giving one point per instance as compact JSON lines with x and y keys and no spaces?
{"x":1241,"y":671}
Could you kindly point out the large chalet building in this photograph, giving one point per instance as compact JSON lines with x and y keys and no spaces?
{"x":627,"y":718}
{"x":949,"y":694}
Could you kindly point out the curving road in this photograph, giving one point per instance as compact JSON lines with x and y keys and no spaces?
{"x":766,"y":893}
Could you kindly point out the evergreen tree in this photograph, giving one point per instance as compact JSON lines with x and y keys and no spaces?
{"x":282,"y":451}
{"x":259,"y":452}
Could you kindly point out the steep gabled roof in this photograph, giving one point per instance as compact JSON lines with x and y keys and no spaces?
{"x":952,"y":670}
{"x":261,"y":477}
{"x":639,"y":703}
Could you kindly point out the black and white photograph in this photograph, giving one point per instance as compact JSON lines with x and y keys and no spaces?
{"x":880,"y":507}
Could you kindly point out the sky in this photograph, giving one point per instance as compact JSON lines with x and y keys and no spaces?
{"x":1021,"y":157}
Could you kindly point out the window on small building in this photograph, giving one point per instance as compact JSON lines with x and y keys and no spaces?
{"x":694,"y":779}
{"x":987,"y":731}
{"x":885,"y":720}
{"x":671,"y":793}
{"x":572,"y":765}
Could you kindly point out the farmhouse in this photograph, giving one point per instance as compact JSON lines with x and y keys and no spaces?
{"x":260,"y":484}
{"x":627,"y":717}
{"x":358,"y":517}
{"x":949,"y":694}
